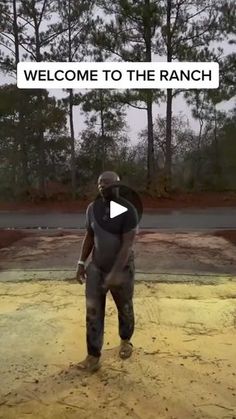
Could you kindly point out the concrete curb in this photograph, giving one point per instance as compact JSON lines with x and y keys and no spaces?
{"x":23,"y":275}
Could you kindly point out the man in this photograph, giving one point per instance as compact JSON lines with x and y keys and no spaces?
{"x":111,"y":268}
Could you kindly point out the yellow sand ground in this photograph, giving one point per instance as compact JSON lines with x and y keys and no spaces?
{"x":183,"y":366}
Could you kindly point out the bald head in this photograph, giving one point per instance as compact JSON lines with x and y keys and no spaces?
{"x":107,"y":179}
{"x":109,"y":176}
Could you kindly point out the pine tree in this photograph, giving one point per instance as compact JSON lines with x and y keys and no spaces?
{"x":52,"y":117}
{"x":105,"y":135}
{"x":188,"y":27}
{"x":72,"y":44}
{"x":23,"y":38}
{"x":12,"y":30}
{"x":130,"y":36}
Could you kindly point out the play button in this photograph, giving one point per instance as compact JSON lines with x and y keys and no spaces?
{"x":116,"y":209}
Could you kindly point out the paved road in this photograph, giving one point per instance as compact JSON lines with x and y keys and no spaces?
{"x":210,"y":219}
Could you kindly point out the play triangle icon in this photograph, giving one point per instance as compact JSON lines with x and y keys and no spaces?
{"x":116,"y":209}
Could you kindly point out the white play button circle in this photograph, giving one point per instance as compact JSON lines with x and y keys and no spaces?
{"x":116,"y":209}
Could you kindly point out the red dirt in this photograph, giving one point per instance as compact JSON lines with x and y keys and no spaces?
{"x":8,"y":237}
{"x":187,"y":200}
{"x":229,"y":235}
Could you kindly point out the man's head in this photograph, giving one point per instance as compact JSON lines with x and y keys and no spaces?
{"x":105,"y":180}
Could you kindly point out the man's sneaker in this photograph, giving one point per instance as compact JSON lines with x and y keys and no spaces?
{"x":126,"y":349}
{"x":90,"y":364}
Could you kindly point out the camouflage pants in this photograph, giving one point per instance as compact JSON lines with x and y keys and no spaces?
{"x":95,"y":306}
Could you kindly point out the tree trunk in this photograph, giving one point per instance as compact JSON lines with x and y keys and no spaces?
{"x":42,"y":159}
{"x":42,"y":165}
{"x":218,"y":171}
{"x":23,"y":153}
{"x":104,"y":151}
{"x":149,"y":101}
{"x":168,"y":151}
{"x":168,"y":156}
{"x":72,"y":137}
{"x":23,"y":178}
{"x":15,"y":30}
{"x":150,"y":155}
{"x":71,"y":105}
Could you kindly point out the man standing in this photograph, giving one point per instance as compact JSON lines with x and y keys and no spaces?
{"x":111,"y":268}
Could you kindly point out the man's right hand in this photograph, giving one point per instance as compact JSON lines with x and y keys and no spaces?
{"x":81,"y":274}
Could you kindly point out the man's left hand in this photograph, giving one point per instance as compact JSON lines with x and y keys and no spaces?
{"x":113,"y":279}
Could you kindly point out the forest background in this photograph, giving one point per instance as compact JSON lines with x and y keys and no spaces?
{"x":62,"y":141}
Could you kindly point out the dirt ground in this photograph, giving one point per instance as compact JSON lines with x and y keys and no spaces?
{"x":175,"y":200}
{"x":8,"y":237}
{"x":176,"y":253}
{"x":183,"y":365}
